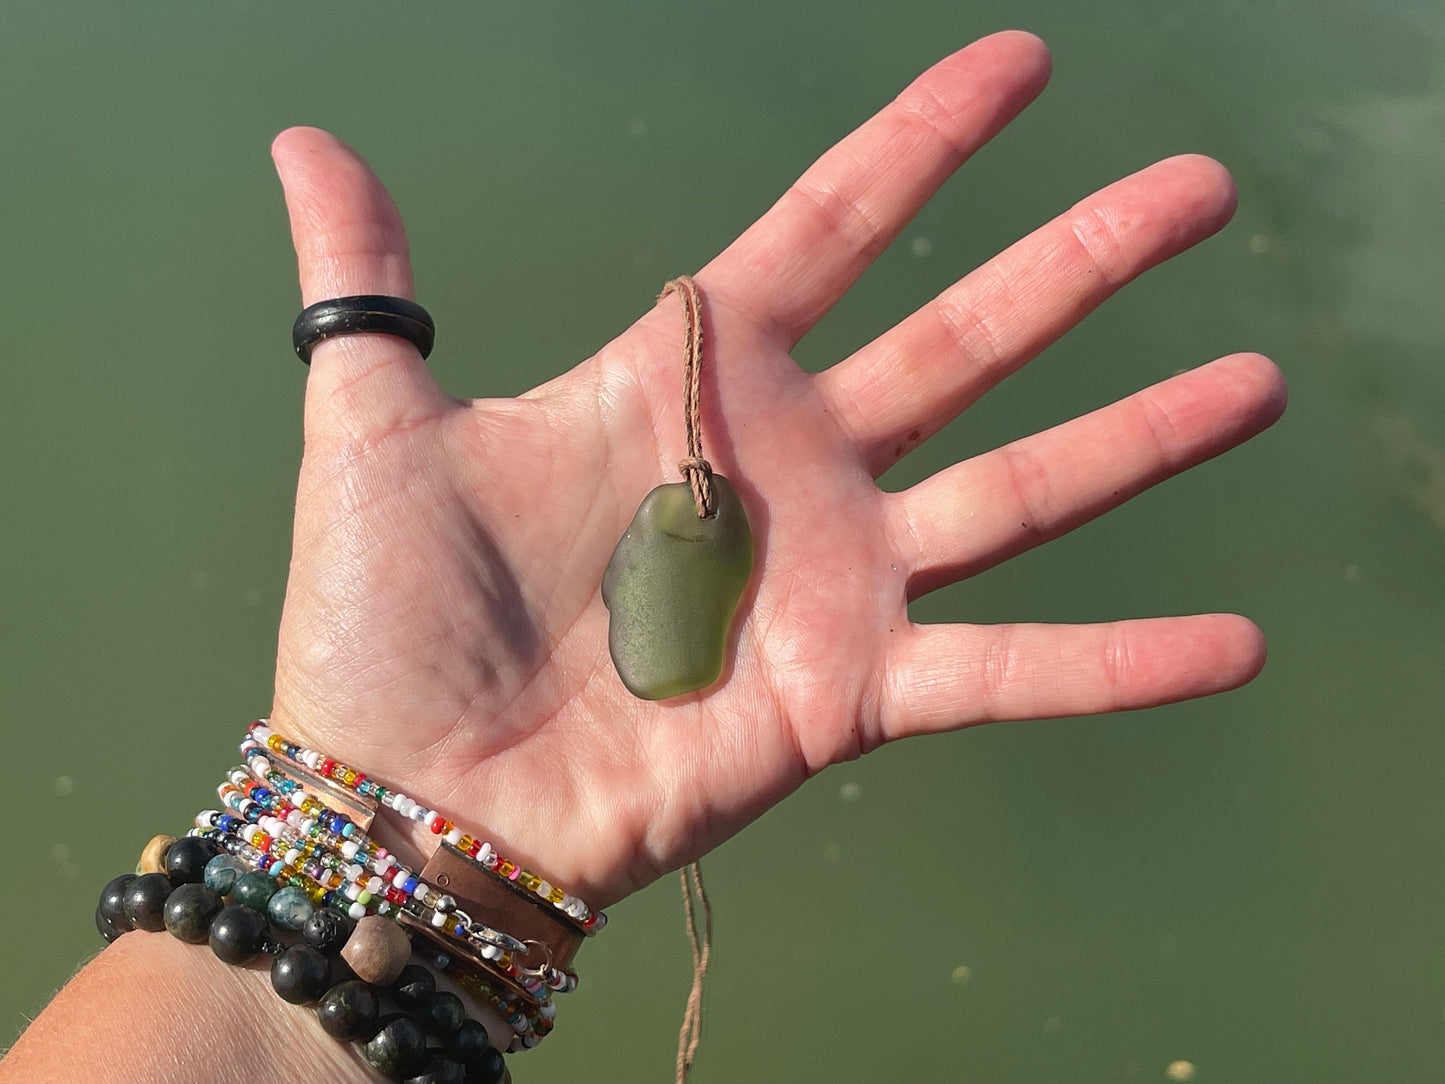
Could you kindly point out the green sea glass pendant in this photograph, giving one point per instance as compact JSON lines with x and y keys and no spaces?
{"x":672,"y":588}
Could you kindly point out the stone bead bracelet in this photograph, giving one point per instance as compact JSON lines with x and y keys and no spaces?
{"x":182,"y":901}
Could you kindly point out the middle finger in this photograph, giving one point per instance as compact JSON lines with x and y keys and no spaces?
{"x":907,"y":384}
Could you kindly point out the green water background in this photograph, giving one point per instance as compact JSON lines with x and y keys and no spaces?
{"x":1252,"y":884}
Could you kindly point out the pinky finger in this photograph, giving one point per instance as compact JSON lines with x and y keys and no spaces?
{"x":942,"y":677}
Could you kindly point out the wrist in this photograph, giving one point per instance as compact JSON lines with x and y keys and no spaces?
{"x":298,"y":817}
{"x":481,"y":911}
{"x":478,"y":791}
{"x":175,"y":1012}
{"x":170,"y":1005}
{"x":421,"y":836}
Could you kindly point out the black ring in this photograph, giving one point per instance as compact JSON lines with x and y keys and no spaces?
{"x":364,"y":312}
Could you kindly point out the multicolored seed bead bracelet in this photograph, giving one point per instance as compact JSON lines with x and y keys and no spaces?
{"x":302,"y":797}
{"x":309,"y":829}
{"x":363,"y":786}
{"x":351,"y":861}
{"x":280,"y":858}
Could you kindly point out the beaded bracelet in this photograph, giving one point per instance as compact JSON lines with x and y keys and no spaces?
{"x":342,"y":859}
{"x":500,"y":951}
{"x":531,"y":1021}
{"x":180,"y":900}
{"x":293,"y":842}
{"x":299,"y":814}
{"x":363,"y":786}
{"x":309,"y":826}
{"x":485,"y":884}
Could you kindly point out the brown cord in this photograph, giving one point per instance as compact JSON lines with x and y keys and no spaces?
{"x":698,"y":473}
{"x":694,"y":896}
{"x":694,"y":468}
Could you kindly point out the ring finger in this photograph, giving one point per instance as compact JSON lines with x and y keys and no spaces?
{"x":983,"y":511}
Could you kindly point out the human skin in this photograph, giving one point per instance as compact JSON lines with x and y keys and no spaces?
{"x":443,"y":627}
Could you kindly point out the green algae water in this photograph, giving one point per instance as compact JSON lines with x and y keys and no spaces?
{"x":1246,"y":888}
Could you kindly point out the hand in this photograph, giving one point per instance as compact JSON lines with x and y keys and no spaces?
{"x":443,"y":626}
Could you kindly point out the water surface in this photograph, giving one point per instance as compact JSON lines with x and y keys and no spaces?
{"x":1250,"y":885}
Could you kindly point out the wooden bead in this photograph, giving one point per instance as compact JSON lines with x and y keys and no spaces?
{"x":153,"y":858}
{"x":377,"y":950}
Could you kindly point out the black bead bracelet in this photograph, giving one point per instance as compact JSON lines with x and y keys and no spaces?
{"x":407,"y":1030}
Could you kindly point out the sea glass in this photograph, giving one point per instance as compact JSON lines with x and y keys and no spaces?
{"x":672,"y":588}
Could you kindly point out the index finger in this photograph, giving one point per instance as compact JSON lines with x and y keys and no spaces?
{"x":794,"y":263}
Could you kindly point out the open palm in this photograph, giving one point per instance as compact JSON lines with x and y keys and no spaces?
{"x":443,"y":627}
